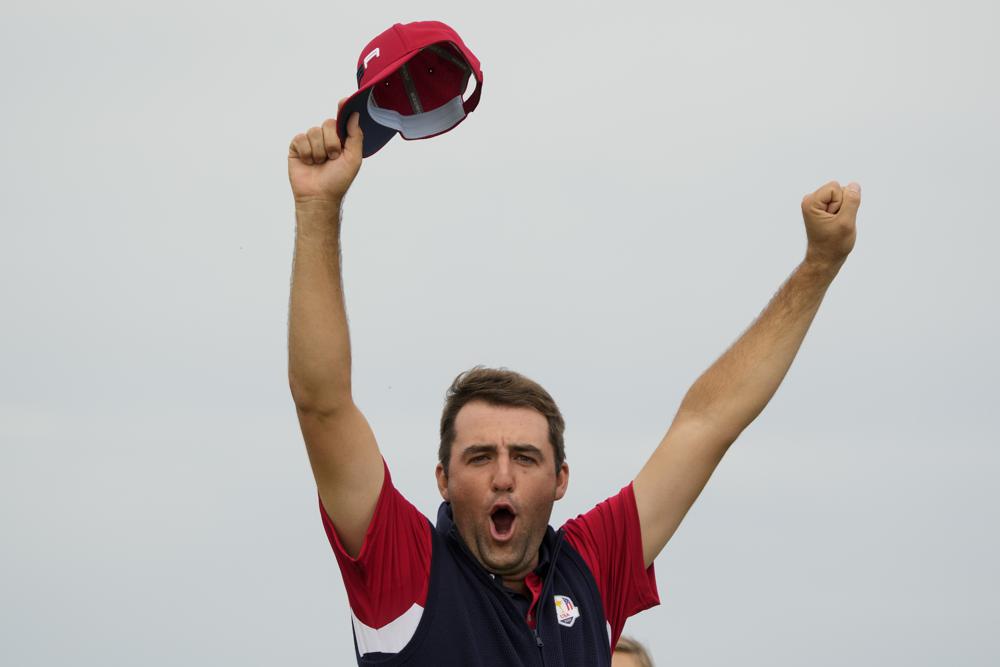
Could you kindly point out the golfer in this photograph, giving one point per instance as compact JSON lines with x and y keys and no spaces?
{"x":490,"y":583}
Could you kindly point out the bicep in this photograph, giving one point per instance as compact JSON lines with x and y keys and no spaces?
{"x":348,"y":469}
{"x":673,"y":477}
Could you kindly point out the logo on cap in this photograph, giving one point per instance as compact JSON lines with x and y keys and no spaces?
{"x":373,"y":54}
{"x":566,"y":611}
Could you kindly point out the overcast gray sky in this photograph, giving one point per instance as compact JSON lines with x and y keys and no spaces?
{"x":619,"y":208}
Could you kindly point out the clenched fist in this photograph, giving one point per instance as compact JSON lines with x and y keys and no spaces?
{"x":830,"y":215}
{"x":319,"y":168}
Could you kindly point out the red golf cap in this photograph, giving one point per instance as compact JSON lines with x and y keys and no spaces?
{"x":411,"y":80}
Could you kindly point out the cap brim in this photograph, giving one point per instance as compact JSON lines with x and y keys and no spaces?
{"x":376,"y":135}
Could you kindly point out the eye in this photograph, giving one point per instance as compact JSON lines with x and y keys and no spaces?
{"x":478,"y":458}
{"x":524,"y":458}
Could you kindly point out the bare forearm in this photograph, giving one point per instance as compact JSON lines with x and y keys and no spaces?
{"x":319,"y":351}
{"x":735,"y":389}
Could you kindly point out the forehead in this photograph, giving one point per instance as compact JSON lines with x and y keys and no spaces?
{"x":479,"y":423}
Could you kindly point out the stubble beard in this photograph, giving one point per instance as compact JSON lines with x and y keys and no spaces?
{"x":508,"y":559}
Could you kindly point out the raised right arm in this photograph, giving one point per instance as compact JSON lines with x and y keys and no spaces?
{"x":342,"y":449}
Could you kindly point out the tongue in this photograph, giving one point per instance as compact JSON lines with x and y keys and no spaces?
{"x":502,"y":520}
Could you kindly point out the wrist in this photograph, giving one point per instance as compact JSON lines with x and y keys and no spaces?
{"x":821,"y":267}
{"x":318,"y":204}
{"x":824,"y":261}
{"x":322,"y":210}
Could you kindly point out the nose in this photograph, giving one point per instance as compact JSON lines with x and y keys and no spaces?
{"x":503,"y":478}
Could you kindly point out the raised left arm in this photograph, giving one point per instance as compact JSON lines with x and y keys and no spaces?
{"x":734,"y":390}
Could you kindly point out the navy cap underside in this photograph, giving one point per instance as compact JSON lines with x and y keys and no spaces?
{"x":376,"y":134}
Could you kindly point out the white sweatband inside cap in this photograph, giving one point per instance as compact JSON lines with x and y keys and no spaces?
{"x":419,"y":125}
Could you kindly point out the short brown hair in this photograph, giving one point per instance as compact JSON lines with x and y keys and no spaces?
{"x":632,"y":647}
{"x":499,"y":386}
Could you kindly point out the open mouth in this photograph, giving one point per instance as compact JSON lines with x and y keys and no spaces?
{"x":502,"y":522}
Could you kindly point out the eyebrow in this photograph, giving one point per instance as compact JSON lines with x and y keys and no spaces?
{"x":473,"y":450}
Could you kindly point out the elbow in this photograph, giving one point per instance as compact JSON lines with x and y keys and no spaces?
{"x":719,"y":431}
{"x":310,"y":398}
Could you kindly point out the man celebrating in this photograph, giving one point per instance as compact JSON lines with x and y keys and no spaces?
{"x":491,"y":584}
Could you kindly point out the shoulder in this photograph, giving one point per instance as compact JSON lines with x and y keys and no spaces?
{"x":390,"y":573}
{"x":609,"y":540}
{"x":608,"y":521}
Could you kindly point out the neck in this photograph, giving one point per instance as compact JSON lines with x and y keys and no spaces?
{"x":515,"y":582}
{"x":516,"y":585}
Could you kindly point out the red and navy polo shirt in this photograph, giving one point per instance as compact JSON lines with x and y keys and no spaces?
{"x":418,"y":596}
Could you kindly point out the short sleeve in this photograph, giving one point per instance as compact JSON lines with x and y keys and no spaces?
{"x":609,"y":539}
{"x":392,"y":570}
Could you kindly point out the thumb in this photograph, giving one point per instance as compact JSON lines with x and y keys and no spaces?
{"x":852,"y":198}
{"x":355,"y":137}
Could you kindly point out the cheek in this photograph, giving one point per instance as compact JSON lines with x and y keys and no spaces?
{"x":464,"y":489}
{"x":542,"y":494}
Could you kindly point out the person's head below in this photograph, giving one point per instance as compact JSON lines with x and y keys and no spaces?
{"x":630,"y":653}
{"x":501,"y":465}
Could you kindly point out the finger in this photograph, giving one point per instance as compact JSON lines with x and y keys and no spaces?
{"x":315,"y":135}
{"x":852,"y":198}
{"x":828,"y":197}
{"x":822,"y":198}
{"x":355,"y":137}
{"x":836,"y":200}
{"x":331,"y":141}
{"x":299,"y":149}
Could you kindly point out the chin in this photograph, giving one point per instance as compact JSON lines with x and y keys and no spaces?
{"x":509,"y":559}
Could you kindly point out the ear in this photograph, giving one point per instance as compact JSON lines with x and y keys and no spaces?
{"x":442,"y":480}
{"x":562,"y":480}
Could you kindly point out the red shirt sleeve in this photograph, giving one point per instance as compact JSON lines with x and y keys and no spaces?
{"x":610,"y":541}
{"x":392,"y":570}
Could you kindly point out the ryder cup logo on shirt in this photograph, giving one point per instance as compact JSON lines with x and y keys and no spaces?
{"x":566,"y":611}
